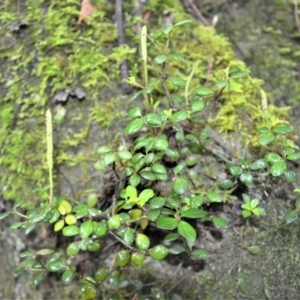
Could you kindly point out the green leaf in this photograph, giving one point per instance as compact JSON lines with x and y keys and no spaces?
{"x":73,"y":249}
{"x":131,"y":192}
{"x":128,"y":237}
{"x":179,"y":116}
{"x":125,"y":154}
{"x":100,"y":165}
{"x":136,"y":158}
{"x":134,"y":180}
{"x":179,"y":167}
{"x":177,"y":99}
{"x":19,"y":203}
{"x":219,"y":222}
{"x":158,"y":168}
{"x":122,"y":258}
{"x":153,"y":214}
{"x":16,"y":225}
{"x":278,"y":168}
{"x":142,"y":241}
{"x":201,"y":253}
{"x":294,"y":156}
{"x":282,"y":129}
{"x":135,"y":112}
{"x":192,"y":160}
{"x":167,"y":223}
{"x":180,"y":185}
{"x":176,"y":248}
{"x":254,"y":203}
{"x":70,"y":230}
{"x":246,"y":213}
{"x":235,"y":170}
{"x":288,"y":150}
{"x":68,"y":276}
{"x":205,"y":132}
{"x":86,"y":229}
{"x":254,"y":250}
{"x":81,"y":210}
{"x":242,"y":285}
{"x":187,"y":231}
{"x":214,"y":196}
{"x":109,"y":158}
{"x":134,"y":96}
{"x":160,"y":143}
{"x":193,"y":213}
{"x":148,"y":175}
{"x":144,"y":196}
{"x":197,"y":105}
{"x":226,"y":184}
{"x":171,"y":237}
{"x":89,"y":292}
{"x":203,"y":91}
{"x":290,"y":176}
{"x":177,"y":80}
{"x":263,"y":130}
{"x":221,"y":84}
{"x":149,"y":158}
{"x":55,"y":266}
{"x":259,"y":211}
{"x":247,"y":178}
{"x":197,"y":201}
{"x":168,"y":29}
{"x":246,"y":206}
{"x":291,"y":216}
{"x":101,"y":229}
{"x":134,"y":126}
{"x":103,"y":149}
{"x":114,"y":222}
{"x":28,"y":227}
{"x":5,"y":214}
{"x":102,"y":274}
{"x":26,"y":253}
{"x":272,"y":157}
{"x":137,"y":258}
{"x":267,"y":138}
{"x":236,"y":87}
{"x":180,"y":23}
{"x":157,"y":202}
{"x":43,"y":252}
{"x":160,"y":59}
{"x":258,"y":165}
{"x":153,"y":120}
{"x":38,"y":278}
{"x":159,"y":252}
{"x":238,"y":74}
{"x":177,"y":57}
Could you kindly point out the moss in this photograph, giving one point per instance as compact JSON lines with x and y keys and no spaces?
{"x":42,"y":59}
{"x":53,"y":53}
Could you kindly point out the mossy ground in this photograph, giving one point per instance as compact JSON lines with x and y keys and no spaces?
{"x":53,"y":53}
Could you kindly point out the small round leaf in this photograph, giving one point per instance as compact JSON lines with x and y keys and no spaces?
{"x":187,"y":231}
{"x":159,"y":252}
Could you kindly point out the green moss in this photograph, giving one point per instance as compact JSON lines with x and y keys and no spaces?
{"x":51,"y":54}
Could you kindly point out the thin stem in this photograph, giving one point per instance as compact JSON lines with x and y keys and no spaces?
{"x":163,"y":80}
{"x":21,"y":215}
{"x":121,"y":241}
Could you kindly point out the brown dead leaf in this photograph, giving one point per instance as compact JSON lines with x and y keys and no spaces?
{"x":86,"y":10}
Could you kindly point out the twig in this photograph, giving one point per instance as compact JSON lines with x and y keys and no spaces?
{"x":121,"y":241}
{"x":296,"y":14}
{"x":195,"y":11}
{"x":121,"y":41}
